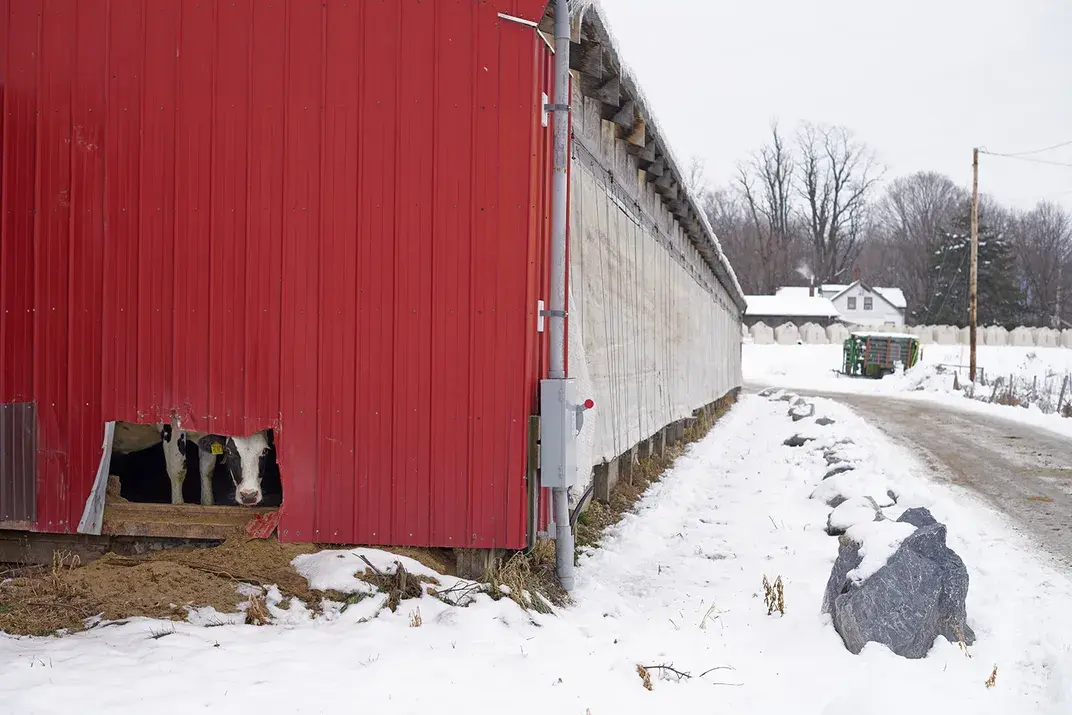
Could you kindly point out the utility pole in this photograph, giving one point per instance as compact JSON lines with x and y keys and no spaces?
{"x":972,"y":289}
{"x":1057,"y":302}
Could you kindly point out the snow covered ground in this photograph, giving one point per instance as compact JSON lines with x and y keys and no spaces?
{"x":678,"y":582}
{"x":1038,"y":375}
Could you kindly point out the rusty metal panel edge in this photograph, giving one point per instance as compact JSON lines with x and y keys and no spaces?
{"x":18,"y":462}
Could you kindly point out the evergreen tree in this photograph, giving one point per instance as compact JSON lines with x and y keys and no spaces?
{"x":999,"y":295}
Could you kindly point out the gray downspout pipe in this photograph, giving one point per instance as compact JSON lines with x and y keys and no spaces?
{"x":557,"y":301}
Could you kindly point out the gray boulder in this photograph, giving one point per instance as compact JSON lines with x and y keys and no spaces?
{"x":797,"y":441}
{"x":839,"y":469}
{"x":917,"y":516}
{"x":917,"y":596}
{"x":824,"y":421}
{"x":768,"y":391}
{"x":800,"y":412}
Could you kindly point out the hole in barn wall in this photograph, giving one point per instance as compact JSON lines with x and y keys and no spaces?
{"x":144,"y":456}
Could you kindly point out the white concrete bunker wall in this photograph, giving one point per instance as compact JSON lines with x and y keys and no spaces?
{"x":653,"y":335}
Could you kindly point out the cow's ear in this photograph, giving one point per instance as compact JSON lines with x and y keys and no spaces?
{"x":211,"y":443}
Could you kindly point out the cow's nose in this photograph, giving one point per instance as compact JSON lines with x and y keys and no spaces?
{"x":247,"y":497}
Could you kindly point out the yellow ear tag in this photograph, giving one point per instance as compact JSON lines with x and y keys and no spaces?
{"x":217,"y":448}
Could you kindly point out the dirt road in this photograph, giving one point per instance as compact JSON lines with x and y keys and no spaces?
{"x":1023,"y":471}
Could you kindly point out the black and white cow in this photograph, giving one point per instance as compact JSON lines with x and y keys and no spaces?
{"x":235,"y":470}
{"x":248,"y":461}
{"x":132,"y":444}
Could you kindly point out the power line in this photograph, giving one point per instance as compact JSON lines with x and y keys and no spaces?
{"x":1024,"y":158}
{"x":1034,"y":151}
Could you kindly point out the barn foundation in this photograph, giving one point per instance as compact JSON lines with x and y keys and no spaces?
{"x":475,"y":564}
{"x":35,"y":549}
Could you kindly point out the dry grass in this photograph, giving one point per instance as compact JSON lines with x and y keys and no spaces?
{"x":161,"y":584}
{"x":593,"y":522}
{"x":993,"y":679}
{"x":529,"y":575}
{"x":1040,"y":499}
{"x":399,"y":585}
{"x":774,"y":596}
{"x":645,"y":676}
{"x":257,"y":612}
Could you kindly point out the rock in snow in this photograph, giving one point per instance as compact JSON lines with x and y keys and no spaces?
{"x":915,"y":597}
{"x":801,"y":412}
{"x":797,"y":441}
{"x":839,"y":468}
{"x":851,"y":512}
{"x":824,"y":421}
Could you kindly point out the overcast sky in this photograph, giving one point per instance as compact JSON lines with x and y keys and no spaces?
{"x":921,"y":81}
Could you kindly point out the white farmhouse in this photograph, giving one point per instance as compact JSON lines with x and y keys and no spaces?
{"x":858,"y":303}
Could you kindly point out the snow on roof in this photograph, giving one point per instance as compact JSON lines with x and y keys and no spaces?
{"x":893,"y":296}
{"x":790,"y":306}
{"x":630,"y":85}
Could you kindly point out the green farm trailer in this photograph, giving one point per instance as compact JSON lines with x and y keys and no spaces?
{"x":878,"y":354}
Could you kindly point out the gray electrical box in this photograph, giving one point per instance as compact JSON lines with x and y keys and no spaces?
{"x":558,"y":433}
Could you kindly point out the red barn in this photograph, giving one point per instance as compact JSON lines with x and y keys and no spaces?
{"x":325,"y":217}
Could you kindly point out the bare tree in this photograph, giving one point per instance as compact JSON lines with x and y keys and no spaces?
{"x":836,"y":179}
{"x":697,"y":178}
{"x":766,"y":184}
{"x":910,"y":219}
{"x":731,"y":224}
{"x":1043,"y":241}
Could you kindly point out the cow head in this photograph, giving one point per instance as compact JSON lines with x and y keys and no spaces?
{"x":246,"y":458}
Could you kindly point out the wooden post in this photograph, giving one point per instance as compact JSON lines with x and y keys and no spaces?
{"x":972,"y":292}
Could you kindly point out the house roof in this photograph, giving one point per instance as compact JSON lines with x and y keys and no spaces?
{"x":893,"y":296}
{"x":790,"y":306}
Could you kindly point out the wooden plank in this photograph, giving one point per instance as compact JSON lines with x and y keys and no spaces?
{"x":609,"y":93}
{"x":665,"y":183}
{"x":646,"y":152}
{"x":185,"y":521}
{"x":586,"y":57}
{"x":625,"y":117}
{"x":635,"y":138}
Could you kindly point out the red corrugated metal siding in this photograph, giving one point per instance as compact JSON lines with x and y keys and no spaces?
{"x":327,"y":218}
